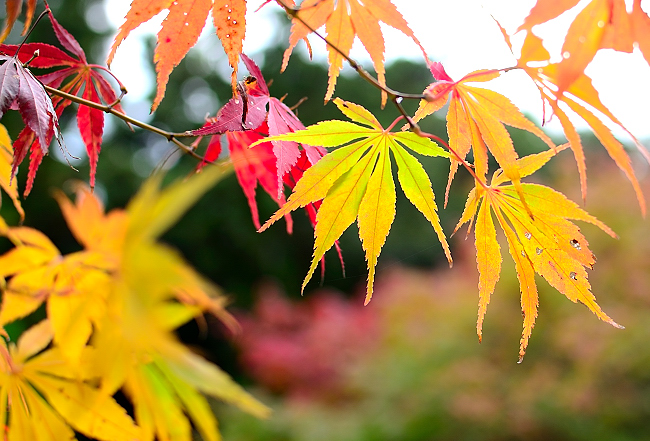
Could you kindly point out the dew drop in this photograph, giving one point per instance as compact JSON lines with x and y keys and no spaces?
{"x":566,"y":54}
{"x":582,"y":39}
{"x":601,"y":24}
{"x":399,"y":100}
{"x":229,"y":11}
{"x":228,"y":18}
{"x":539,"y":251}
{"x":528,"y":235}
{"x":575,"y":244}
{"x":540,"y":70}
{"x":573,"y":275}
{"x":236,"y":101}
{"x":227,"y":35}
{"x":523,"y":253}
{"x":234,"y":22}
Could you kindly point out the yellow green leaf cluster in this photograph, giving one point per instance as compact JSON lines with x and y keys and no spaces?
{"x":111,"y":312}
{"x":355,"y":182}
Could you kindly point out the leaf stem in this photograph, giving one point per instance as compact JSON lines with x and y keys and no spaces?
{"x":30,"y":31}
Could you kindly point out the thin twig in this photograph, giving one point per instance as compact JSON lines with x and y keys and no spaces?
{"x":172,"y":137}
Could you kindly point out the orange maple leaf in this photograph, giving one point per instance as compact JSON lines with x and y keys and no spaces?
{"x":13,"y":8}
{"x":345,"y":20}
{"x":602,"y":24}
{"x":181,"y":29}
{"x":581,"y":97}
{"x":475,"y":120}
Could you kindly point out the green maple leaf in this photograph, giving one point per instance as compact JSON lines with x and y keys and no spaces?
{"x":356,"y":182}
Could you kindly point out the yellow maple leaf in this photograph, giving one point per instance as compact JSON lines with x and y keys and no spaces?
{"x":41,"y":400}
{"x":548,"y":243}
{"x":356,"y":182}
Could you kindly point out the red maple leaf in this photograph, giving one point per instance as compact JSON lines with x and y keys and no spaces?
{"x":82,"y":78}
{"x":246,"y":111}
{"x":20,"y":90}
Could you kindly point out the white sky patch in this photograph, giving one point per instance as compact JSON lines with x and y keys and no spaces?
{"x":461,"y":34}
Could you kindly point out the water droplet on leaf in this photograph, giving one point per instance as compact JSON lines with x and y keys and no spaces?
{"x":539,"y":251}
{"x":573,"y":275}
{"x":528,"y":235}
{"x":575,"y":244}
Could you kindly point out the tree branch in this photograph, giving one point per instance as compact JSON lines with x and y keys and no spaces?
{"x":172,"y":137}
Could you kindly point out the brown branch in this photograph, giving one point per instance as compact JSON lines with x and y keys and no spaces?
{"x":171,"y":137}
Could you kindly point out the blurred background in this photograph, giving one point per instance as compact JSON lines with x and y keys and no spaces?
{"x":408,"y":366}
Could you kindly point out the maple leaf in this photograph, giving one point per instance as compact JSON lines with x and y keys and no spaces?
{"x":163,"y":377}
{"x":45,"y":402}
{"x":602,"y":24}
{"x":344,"y":20}
{"x":475,"y":120}
{"x":248,"y":109}
{"x":549,"y":244}
{"x":181,"y":29}
{"x":579,"y":96}
{"x":13,"y":8}
{"x":113,"y":308}
{"x":82,"y":78}
{"x":19,"y":87}
{"x":356,"y":182}
{"x":75,"y":288}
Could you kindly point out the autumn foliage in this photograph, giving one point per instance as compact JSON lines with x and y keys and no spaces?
{"x":112,"y":308}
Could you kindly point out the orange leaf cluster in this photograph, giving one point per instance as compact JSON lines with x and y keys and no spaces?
{"x":602,"y":24}
{"x":13,"y":8}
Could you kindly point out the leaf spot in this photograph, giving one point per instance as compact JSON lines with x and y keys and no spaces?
{"x":539,"y":251}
